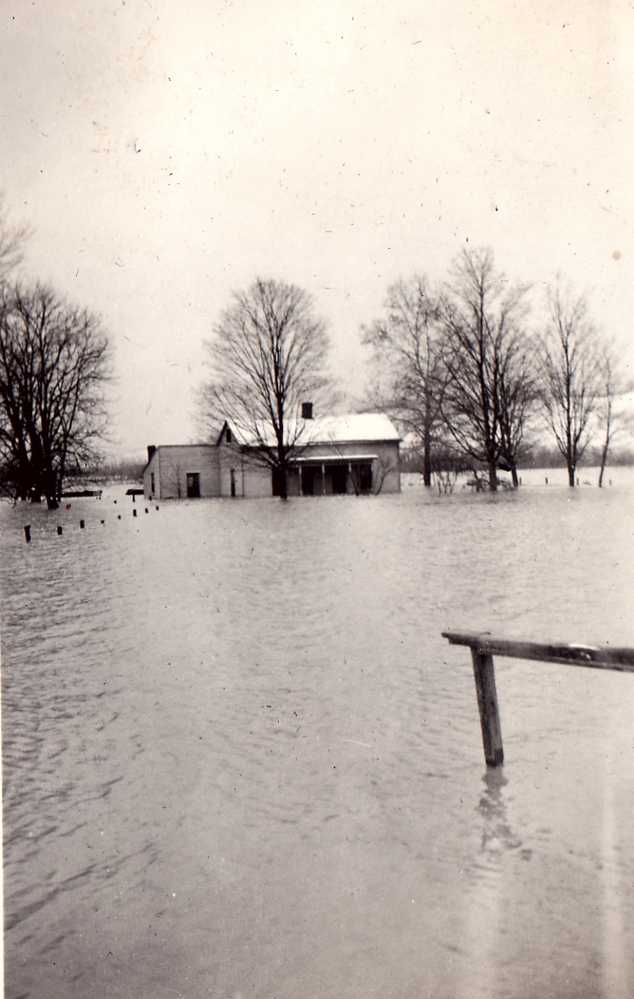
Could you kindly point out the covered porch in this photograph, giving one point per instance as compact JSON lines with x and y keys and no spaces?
{"x":331,"y":475}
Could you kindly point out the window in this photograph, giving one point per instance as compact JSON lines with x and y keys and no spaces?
{"x":228,"y":435}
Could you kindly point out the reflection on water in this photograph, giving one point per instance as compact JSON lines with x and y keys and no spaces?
{"x":240,"y":759}
{"x":497,"y":835}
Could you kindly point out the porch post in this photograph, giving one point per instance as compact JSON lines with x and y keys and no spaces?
{"x":323,"y":478}
{"x":299,"y":472}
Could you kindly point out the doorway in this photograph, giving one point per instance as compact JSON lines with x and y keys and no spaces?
{"x":193,"y":485}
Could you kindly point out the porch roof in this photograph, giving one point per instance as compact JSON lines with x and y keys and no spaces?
{"x":331,"y":459}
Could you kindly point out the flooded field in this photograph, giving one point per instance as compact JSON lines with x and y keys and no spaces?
{"x":241,"y":761}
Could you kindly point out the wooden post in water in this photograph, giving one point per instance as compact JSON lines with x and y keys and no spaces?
{"x":82,"y":524}
{"x":134,"y":512}
{"x":484,"y":646}
{"x":157,"y":508}
{"x":146,"y":510}
{"x":27,"y":533}
{"x":59,"y":529}
{"x":484,"y":674}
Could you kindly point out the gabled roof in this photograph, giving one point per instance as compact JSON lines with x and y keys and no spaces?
{"x":351,"y":428}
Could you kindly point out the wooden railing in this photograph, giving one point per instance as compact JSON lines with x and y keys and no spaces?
{"x":484,"y":646}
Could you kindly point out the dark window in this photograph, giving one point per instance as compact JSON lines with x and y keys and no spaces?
{"x":364,"y":473}
{"x":339,"y":479}
{"x":233,"y":481}
{"x":308,"y":480}
{"x":193,"y":485}
{"x":228,"y":436}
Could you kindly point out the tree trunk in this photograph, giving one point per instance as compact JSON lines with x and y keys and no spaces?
{"x":283,"y":481}
{"x":514,"y":477}
{"x":427,"y":459}
{"x":604,"y":461}
{"x":493,"y":476}
{"x":571,"y":474}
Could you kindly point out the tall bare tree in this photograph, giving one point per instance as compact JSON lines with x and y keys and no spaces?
{"x":570,"y":374}
{"x":488,"y":396}
{"x":408,"y":354}
{"x":267,"y":356}
{"x":12,"y":239}
{"x":611,"y":418}
{"x":518,"y":394}
{"x":54,"y":366}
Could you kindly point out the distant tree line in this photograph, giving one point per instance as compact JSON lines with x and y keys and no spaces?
{"x":55,"y":362}
{"x":476,"y":374}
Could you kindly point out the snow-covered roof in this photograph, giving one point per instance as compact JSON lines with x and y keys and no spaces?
{"x":351,"y":428}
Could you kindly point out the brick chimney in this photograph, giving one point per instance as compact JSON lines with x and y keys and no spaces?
{"x":307,"y":411}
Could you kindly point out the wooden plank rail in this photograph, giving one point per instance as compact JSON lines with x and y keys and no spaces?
{"x":484,"y":646}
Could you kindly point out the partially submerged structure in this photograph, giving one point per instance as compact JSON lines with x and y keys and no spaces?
{"x":356,"y":453}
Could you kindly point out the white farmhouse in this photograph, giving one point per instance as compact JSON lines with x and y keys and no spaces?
{"x":355,"y":453}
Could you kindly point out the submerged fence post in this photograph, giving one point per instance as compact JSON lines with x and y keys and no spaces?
{"x":484,"y":674}
{"x":27,"y":533}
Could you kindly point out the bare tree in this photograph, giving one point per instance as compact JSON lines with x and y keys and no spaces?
{"x":517,"y":398}
{"x":487,"y":400}
{"x":610,"y":416}
{"x":266,"y":358}
{"x":54,"y":366}
{"x":12,"y":240}
{"x":570,"y":374}
{"x":408,"y":347}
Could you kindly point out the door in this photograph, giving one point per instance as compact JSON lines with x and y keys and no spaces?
{"x":193,"y":485}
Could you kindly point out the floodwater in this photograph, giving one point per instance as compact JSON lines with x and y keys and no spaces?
{"x":241,"y":762}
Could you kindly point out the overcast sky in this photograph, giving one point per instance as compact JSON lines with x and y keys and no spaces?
{"x":166,"y":153}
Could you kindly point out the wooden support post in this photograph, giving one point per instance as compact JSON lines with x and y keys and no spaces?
{"x":323,"y":478}
{"x":134,"y":513}
{"x":484,"y":674}
{"x":59,"y":528}
{"x":82,"y":524}
{"x":27,"y":533}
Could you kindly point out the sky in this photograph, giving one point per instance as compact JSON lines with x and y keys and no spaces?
{"x":165,"y":154}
